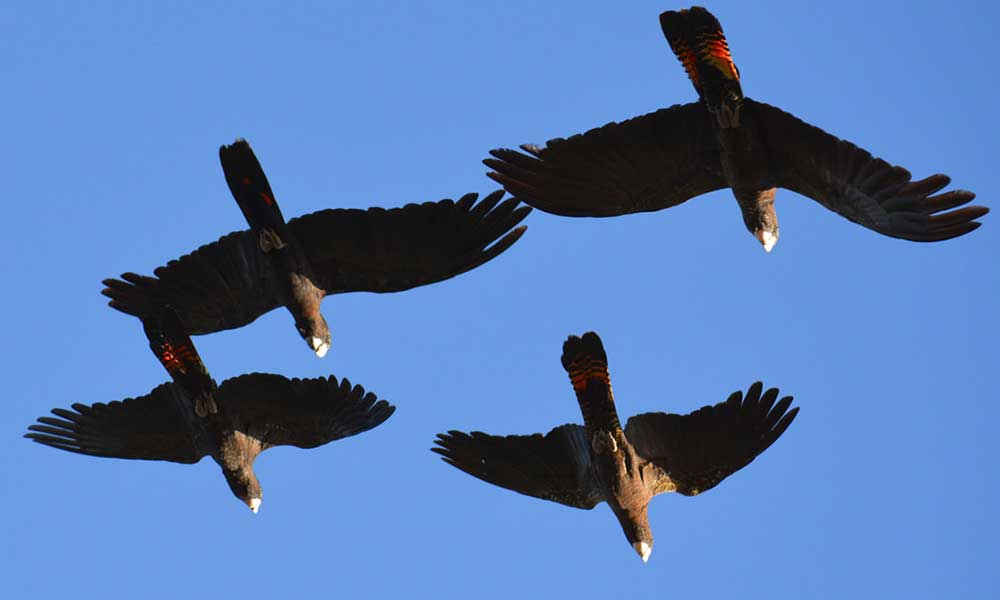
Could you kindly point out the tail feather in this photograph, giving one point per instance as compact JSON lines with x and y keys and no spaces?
{"x":176,"y":352}
{"x":696,"y":38}
{"x":587,"y":364}
{"x":252,"y":192}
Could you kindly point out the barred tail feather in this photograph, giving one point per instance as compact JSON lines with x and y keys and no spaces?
{"x":587,"y":365}
{"x":696,"y":38}
{"x":176,"y":352}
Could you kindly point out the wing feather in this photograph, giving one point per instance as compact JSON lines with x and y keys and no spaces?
{"x":695,"y":452}
{"x":222,"y":285}
{"x":150,"y":427}
{"x":380,"y":250}
{"x":647,"y":163}
{"x":867,"y":190}
{"x":300,"y":412}
{"x":556,"y":466}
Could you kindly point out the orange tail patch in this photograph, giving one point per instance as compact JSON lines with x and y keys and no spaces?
{"x":711,"y":49}
{"x":714,"y":50}
{"x":696,"y":38}
{"x":585,"y":368}
{"x":690,"y":61}
{"x":176,"y":359}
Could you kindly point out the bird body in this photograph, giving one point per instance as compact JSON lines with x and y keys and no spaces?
{"x":293,"y":272}
{"x":248,"y":415}
{"x":725,"y":139}
{"x":655,"y":453}
{"x":618,"y":469}
{"x":245,"y":274}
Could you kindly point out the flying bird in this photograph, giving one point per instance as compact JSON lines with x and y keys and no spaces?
{"x":655,"y":453}
{"x":252,"y":413}
{"x":725,"y":139}
{"x":229,"y":283}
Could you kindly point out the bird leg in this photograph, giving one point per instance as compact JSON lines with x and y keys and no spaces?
{"x":269,"y":240}
{"x":604,"y":442}
{"x":728,"y":115}
{"x":204,"y":405}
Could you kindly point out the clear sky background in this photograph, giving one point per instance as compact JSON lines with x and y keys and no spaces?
{"x":885,"y":486}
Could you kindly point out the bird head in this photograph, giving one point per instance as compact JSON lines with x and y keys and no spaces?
{"x":316,"y":333}
{"x":635,"y":525}
{"x":759,"y":216}
{"x":244,"y":484}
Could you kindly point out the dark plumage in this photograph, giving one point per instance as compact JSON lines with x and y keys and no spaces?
{"x":175,"y":351}
{"x":252,"y":413}
{"x":664,"y":158}
{"x":231,"y":282}
{"x":655,"y":453}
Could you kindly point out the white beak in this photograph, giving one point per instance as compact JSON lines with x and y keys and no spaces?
{"x":766,"y":239}
{"x":319,"y":346}
{"x":643,"y":549}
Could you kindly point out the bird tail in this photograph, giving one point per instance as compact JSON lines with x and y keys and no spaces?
{"x":176,"y":352}
{"x":587,"y":364}
{"x":696,"y":38}
{"x":253,"y":193}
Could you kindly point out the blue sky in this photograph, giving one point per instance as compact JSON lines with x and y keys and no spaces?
{"x":885,"y":486}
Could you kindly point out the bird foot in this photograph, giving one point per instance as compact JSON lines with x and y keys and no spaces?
{"x":269,"y":240}
{"x":604,"y":441}
{"x":205,"y":405}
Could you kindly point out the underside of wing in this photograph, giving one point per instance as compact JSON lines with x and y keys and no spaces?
{"x":696,"y":451}
{"x":300,"y":412}
{"x":851,"y":182}
{"x":647,"y":163}
{"x":150,"y":427}
{"x":222,"y":285}
{"x":554,"y":467}
{"x":390,"y":250}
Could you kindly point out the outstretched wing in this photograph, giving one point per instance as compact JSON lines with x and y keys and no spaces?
{"x":694,"y":452}
{"x":554,"y":467}
{"x":148,"y":427}
{"x":300,"y":412}
{"x":379,"y":250}
{"x":651,"y":162}
{"x":854,"y":184}
{"x":222,"y":285}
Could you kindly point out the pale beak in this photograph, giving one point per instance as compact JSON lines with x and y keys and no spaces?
{"x":319,"y":346}
{"x":643,"y":549}
{"x":766,"y":239}
{"x":254,"y":505}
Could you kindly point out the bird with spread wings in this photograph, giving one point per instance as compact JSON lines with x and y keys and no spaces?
{"x":661,"y":159}
{"x":230,"y":282}
{"x":242,"y":417}
{"x":581,"y":466}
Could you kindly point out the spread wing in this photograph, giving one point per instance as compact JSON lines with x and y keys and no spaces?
{"x":300,"y":412}
{"x":554,"y":467}
{"x":149,"y":427}
{"x":854,"y":184}
{"x":653,"y":161}
{"x":379,"y":250}
{"x":222,"y":285}
{"x":694,"y":452}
